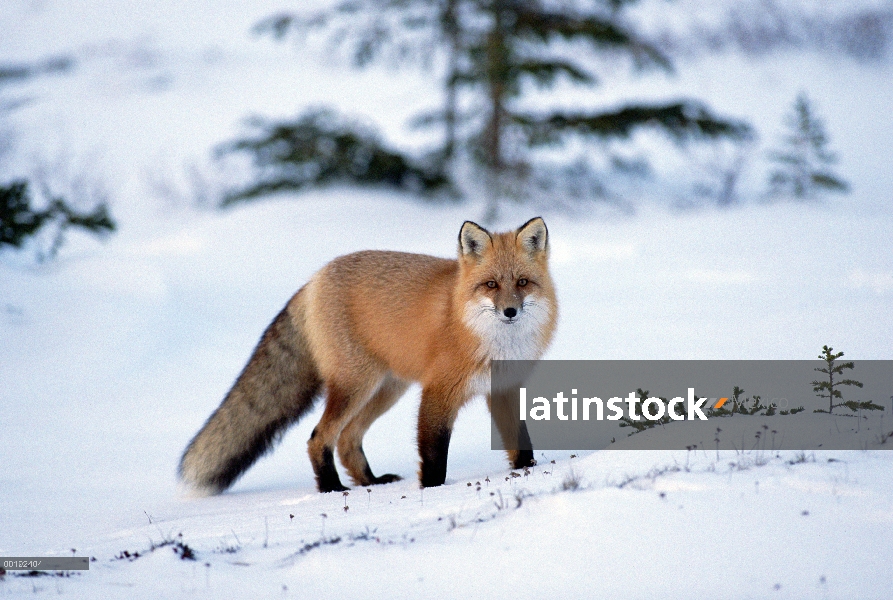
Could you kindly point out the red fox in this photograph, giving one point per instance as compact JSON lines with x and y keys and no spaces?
{"x":361,"y":330}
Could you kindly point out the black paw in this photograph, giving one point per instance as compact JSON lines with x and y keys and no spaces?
{"x":386,"y":478}
{"x":432,"y":479}
{"x":524,"y":459}
{"x":337,"y":487}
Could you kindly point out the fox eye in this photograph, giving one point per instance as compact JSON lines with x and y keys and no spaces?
{"x":522,"y":282}
{"x":491,"y":284}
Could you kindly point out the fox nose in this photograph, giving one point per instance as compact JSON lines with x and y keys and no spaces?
{"x":510,"y":312}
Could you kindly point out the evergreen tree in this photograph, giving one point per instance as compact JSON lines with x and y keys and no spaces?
{"x":492,"y":52}
{"x":804,"y":165}
{"x":19,"y":221}
{"x":829,"y":388}
{"x":319,"y":148}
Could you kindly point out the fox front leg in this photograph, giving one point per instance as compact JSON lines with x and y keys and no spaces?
{"x":433,"y":449}
{"x":437,"y":413}
{"x":523,"y":456}
{"x":513,"y":431}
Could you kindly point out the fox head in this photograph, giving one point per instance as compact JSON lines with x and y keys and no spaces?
{"x":505,"y":289}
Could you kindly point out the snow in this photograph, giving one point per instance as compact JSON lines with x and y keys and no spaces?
{"x":114,"y":355}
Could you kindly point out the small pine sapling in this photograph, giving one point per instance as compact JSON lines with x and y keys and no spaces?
{"x":829,"y":388}
{"x":643,"y":423}
{"x":737,"y":405}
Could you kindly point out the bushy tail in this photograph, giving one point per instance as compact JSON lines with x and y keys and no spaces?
{"x":276,"y":388}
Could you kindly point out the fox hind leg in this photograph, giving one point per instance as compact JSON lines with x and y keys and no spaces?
{"x":350,"y":442}
{"x":343,"y":402}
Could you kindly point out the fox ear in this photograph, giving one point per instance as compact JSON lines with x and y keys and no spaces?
{"x":533,"y":235}
{"x":473,"y":240}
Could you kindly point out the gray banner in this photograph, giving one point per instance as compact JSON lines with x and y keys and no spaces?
{"x":768,"y":405}
{"x":45,"y":563}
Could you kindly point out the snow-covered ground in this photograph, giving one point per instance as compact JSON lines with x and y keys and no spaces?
{"x":113,"y":356}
